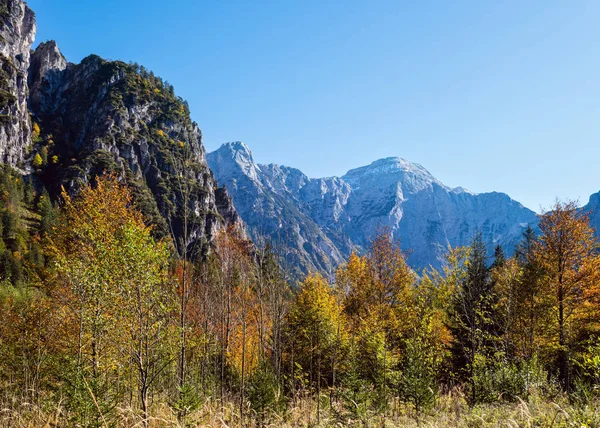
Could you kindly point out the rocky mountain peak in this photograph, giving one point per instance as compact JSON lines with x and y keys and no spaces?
{"x":49,"y":57}
{"x":392,"y":170}
{"x":45,"y":75}
{"x":234,"y":159}
{"x":240,"y":152}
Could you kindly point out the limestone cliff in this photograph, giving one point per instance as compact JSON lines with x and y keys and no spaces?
{"x":17,"y":32}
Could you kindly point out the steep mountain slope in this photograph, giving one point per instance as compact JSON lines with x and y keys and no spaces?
{"x":266,"y":196}
{"x":593,"y":208}
{"x":104,"y":116}
{"x":345,"y":213}
{"x":17,"y":32}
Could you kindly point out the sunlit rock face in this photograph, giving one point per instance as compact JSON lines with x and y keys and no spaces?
{"x":319,"y":222}
{"x":17,"y":33}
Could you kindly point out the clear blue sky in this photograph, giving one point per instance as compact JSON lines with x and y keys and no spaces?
{"x":487,"y":95}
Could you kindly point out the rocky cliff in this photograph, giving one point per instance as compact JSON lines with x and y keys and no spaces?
{"x":64,"y":124}
{"x":267,"y":197}
{"x":593,"y":209}
{"x":321,"y":221}
{"x":17,"y":32}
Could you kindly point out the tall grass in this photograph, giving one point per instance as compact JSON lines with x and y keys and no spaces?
{"x":450,"y":410}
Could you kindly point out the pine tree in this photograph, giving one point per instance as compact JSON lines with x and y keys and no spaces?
{"x":472,"y":314}
{"x":531,"y":306}
{"x":499,"y":258}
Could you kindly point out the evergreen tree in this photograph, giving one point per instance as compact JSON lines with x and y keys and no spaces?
{"x":48,"y":214}
{"x":499,"y":258}
{"x":531,"y":306}
{"x":472,"y":314}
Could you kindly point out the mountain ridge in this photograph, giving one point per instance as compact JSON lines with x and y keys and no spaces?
{"x":390,"y":193}
{"x":63,"y":124}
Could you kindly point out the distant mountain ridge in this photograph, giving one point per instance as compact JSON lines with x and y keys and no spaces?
{"x":593,"y":209}
{"x":318,"y":222}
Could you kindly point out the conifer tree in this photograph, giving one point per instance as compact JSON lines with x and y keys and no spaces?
{"x":472,"y":314}
{"x":532,"y":307}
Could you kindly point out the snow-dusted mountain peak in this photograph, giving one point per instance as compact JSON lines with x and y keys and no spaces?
{"x":239,"y":151}
{"x":234,"y":159}
{"x":461,"y":189}
{"x":320,"y":221}
{"x":391,"y":170}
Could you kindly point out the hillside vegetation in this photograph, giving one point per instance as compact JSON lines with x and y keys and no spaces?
{"x":104,"y":325}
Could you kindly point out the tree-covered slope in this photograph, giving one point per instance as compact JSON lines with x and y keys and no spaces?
{"x":108,"y":116}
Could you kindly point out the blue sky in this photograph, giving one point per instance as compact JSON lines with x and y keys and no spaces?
{"x":487,"y":95}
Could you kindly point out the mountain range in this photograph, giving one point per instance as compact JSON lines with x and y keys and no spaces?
{"x":62,"y":124}
{"x":318,"y":222}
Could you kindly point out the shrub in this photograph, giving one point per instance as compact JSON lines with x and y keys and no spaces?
{"x":37,"y":160}
{"x":503,"y":380}
{"x":418,"y":384}
{"x":263,"y":390}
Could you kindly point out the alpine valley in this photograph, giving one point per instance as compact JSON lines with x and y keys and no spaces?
{"x":61,"y":124}
{"x":146,"y":282}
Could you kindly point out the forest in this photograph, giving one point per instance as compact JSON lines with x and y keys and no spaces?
{"x":103,"y":323}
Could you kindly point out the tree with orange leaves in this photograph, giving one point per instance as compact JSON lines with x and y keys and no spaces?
{"x":566,"y":252}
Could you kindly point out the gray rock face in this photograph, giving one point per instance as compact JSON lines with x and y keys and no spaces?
{"x":46,"y":75}
{"x":268,"y":197}
{"x":104,"y":116}
{"x":313,"y":218}
{"x":593,"y":210}
{"x":107,"y":116}
{"x":17,"y":32}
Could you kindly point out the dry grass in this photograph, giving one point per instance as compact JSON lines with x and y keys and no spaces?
{"x":451,"y":410}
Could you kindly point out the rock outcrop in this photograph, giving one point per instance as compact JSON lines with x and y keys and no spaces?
{"x":17,"y":33}
{"x":63,"y":124}
{"x":108,"y":116}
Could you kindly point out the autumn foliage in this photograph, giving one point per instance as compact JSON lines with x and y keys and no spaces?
{"x":100,"y":316}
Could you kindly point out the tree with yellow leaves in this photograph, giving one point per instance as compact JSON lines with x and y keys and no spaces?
{"x":111,"y":275}
{"x":566,"y":252}
{"x":378,"y":299}
{"x":317,"y":332}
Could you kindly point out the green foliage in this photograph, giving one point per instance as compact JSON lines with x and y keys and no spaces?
{"x":377,"y":362}
{"x":356,"y":394}
{"x":48,"y":213}
{"x":418,"y":383}
{"x":20,"y":227}
{"x":496,"y":379}
{"x":473,"y":315}
{"x":188,"y":400}
{"x":587,"y":385}
{"x":264,"y":392}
